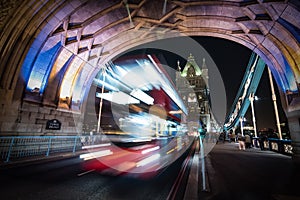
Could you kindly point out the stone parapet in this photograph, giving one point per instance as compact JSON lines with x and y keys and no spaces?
{"x":31,"y":119}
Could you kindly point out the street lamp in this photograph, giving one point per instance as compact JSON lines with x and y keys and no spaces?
{"x":252,"y":97}
{"x":241,"y":118}
{"x":241,"y":125}
{"x":275,"y":104}
{"x":101,"y":99}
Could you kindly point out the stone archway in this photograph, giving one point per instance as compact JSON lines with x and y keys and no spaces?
{"x":46,"y":46}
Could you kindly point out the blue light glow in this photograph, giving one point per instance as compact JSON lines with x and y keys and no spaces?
{"x":78,"y":92}
{"x":42,"y":68}
{"x":76,"y":97}
{"x":290,"y":77}
{"x":68,"y":82}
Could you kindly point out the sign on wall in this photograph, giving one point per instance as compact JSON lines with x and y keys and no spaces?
{"x":53,"y":124}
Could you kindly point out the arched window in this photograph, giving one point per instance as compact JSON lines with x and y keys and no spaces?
{"x":191,"y":71}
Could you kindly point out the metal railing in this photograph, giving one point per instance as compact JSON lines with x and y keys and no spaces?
{"x":280,"y":146}
{"x":18,"y":147}
{"x":273,"y":144}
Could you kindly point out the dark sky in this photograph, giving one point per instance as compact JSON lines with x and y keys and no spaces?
{"x":231,"y":59}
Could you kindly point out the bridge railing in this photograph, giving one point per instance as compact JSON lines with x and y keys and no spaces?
{"x":280,"y":146}
{"x":18,"y":147}
{"x":276,"y":145}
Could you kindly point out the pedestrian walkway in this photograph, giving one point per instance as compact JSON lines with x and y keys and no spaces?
{"x":250,"y":174}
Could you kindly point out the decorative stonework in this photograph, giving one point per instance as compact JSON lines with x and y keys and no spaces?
{"x":6,"y":10}
{"x":97,"y":31}
{"x":107,"y":29}
{"x":31,"y":119}
{"x":196,"y":99}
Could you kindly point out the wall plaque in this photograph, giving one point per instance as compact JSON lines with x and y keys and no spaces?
{"x":53,"y":124}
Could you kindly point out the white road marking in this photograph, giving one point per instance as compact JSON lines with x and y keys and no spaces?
{"x":84,"y":173}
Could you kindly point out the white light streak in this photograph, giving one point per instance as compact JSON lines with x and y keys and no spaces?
{"x":118,"y":97}
{"x":97,"y":154}
{"x":106,"y":85}
{"x":150,"y":149}
{"x":139,"y":94}
{"x":148,"y":160}
{"x":97,"y":145}
{"x":141,"y":140}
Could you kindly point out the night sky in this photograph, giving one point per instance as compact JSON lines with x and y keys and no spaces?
{"x":231,"y":60}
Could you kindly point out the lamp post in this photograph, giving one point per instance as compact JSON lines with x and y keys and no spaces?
{"x":252,"y":98}
{"x":101,"y":99}
{"x":241,"y":118}
{"x":241,"y":125}
{"x":275,"y":104}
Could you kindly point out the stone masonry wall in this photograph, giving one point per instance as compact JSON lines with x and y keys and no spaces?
{"x":31,"y":118}
{"x":6,"y":9}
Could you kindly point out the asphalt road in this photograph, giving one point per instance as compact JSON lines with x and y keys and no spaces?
{"x":232,"y":174}
{"x":250,"y":174}
{"x":66,"y":179}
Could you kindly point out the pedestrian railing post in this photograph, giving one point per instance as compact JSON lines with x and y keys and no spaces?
{"x":16,"y":147}
{"x":10,"y":149}
{"x":280,"y":146}
{"x":74,"y":148}
{"x":49,"y":146}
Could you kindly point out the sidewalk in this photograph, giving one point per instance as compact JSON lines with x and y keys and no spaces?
{"x":198,"y":177}
{"x":249,"y":174}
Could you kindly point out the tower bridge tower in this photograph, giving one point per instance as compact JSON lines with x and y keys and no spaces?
{"x":192,"y":85}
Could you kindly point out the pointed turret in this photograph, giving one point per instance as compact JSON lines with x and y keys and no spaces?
{"x":205,"y":72}
{"x":178,"y":66}
{"x":192,"y":67}
{"x":204,"y":64}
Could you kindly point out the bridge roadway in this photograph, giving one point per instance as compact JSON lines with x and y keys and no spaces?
{"x":232,"y":174}
{"x":69,"y":177}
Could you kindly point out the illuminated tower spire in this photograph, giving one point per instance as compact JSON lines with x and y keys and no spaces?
{"x":191,"y":63}
{"x":205,"y":72}
{"x":178,"y":66}
{"x":204,"y":64}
